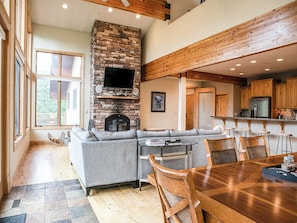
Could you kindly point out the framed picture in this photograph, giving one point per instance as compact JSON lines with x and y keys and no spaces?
{"x":158,"y":101}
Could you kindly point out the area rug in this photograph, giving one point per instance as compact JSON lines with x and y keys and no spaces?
{"x":21,"y":218}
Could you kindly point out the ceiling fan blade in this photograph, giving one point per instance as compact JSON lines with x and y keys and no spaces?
{"x":125,"y":3}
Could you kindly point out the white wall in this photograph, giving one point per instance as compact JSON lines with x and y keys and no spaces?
{"x":207,"y":19}
{"x":45,"y":37}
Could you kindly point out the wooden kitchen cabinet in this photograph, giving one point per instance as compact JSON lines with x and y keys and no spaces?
{"x":245,"y":95}
{"x":292,"y":93}
{"x":262,"y":88}
{"x":281,"y":95}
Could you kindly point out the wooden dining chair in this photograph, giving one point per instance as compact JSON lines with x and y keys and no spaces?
{"x":219,"y":151}
{"x":177,"y":194}
{"x":255,"y":146}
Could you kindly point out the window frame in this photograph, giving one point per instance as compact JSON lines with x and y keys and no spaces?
{"x":19,"y":95}
{"x":59,"y":78}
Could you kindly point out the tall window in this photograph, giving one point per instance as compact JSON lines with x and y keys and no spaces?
{"x":58,"y":88}
{"x":20,"y":22}
{"x":17,"y":115}
{"x":27,"y":100}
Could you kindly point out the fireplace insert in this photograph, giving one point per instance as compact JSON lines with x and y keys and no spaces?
{"x":117,"y":122}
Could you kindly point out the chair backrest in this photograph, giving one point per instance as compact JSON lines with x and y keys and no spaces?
{"x":255,"y":146}
{"x":221,"y":151}
{"x":177,"y":194}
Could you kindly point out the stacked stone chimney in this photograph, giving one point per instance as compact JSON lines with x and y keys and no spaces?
{"x":117,"y":46}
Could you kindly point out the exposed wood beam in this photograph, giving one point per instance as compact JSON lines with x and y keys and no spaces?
{"x":216,"y":78}
{"x":258,"y":35}
{"x":202,"y":76}
{"x":151,"y":8}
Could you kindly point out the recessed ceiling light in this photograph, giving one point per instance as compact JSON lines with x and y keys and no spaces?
{"x":232,"y":68}
{"x":238,"y":65}
{"x":109,"y":9}
{"x":65,"y":6}
{"x":253,"y":61}
{"x":241,"y":74}
{"x":267,"y":69}
{"x":279,"y":59}
{"x":137,"y":16}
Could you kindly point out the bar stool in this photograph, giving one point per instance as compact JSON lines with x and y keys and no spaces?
{"x":229,"y":132}
{"x":284,"y":139}
{"x":264,"y":133}
{"x":243,"y":133}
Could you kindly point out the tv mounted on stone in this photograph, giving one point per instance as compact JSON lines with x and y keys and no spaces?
{"x":118,"y":77}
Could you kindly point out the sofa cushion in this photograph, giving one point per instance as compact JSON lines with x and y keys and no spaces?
{"x":191,"y":132}
{"x":106,"y":135}
{"x":147,"y":134}
{"x":209,"y":131}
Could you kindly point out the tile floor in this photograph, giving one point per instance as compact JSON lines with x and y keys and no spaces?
{"x":50,"y":195}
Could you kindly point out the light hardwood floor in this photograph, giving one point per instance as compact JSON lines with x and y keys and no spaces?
{"x":127,"y":205}
{"x":46,"y":163}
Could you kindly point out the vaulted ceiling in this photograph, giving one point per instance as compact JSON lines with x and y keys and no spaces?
{"x":265,"y":39}
{"x":81,"y":15}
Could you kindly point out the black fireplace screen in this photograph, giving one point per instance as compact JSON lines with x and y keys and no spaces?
{"x":117,"y":122}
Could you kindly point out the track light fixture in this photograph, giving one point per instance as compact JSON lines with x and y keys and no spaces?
{"x":167,"y":5}
{"x":167,"y":17}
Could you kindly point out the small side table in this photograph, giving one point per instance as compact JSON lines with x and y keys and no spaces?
{"x":165,"y":153}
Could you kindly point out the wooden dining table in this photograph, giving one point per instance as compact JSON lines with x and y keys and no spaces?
{"x":240,"y":192}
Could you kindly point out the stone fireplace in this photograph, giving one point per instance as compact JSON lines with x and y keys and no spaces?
{"x":115,"y":46}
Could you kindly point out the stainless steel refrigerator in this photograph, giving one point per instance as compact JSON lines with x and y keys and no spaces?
{"x":260,"y":107}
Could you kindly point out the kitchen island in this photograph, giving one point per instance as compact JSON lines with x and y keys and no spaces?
{"x":246,"y":126}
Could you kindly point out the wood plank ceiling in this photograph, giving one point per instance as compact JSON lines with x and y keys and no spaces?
{"x":272,"y":30}
{"x":157,"y":9}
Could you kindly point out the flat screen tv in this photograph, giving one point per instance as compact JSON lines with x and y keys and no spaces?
{"x":118,"y":77}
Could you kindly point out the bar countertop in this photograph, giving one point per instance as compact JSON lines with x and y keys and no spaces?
{"x":254,"y":119}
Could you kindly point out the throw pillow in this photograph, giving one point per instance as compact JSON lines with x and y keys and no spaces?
{"x":86,"y":135}
{"x":76,"y":128}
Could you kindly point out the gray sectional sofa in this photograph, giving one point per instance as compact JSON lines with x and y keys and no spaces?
{"x":103,"y":159}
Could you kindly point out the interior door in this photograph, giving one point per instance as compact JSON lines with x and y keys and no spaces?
{"x":221,"y":104}
{"x":190,"y":112}
{"x":204,"y":107}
